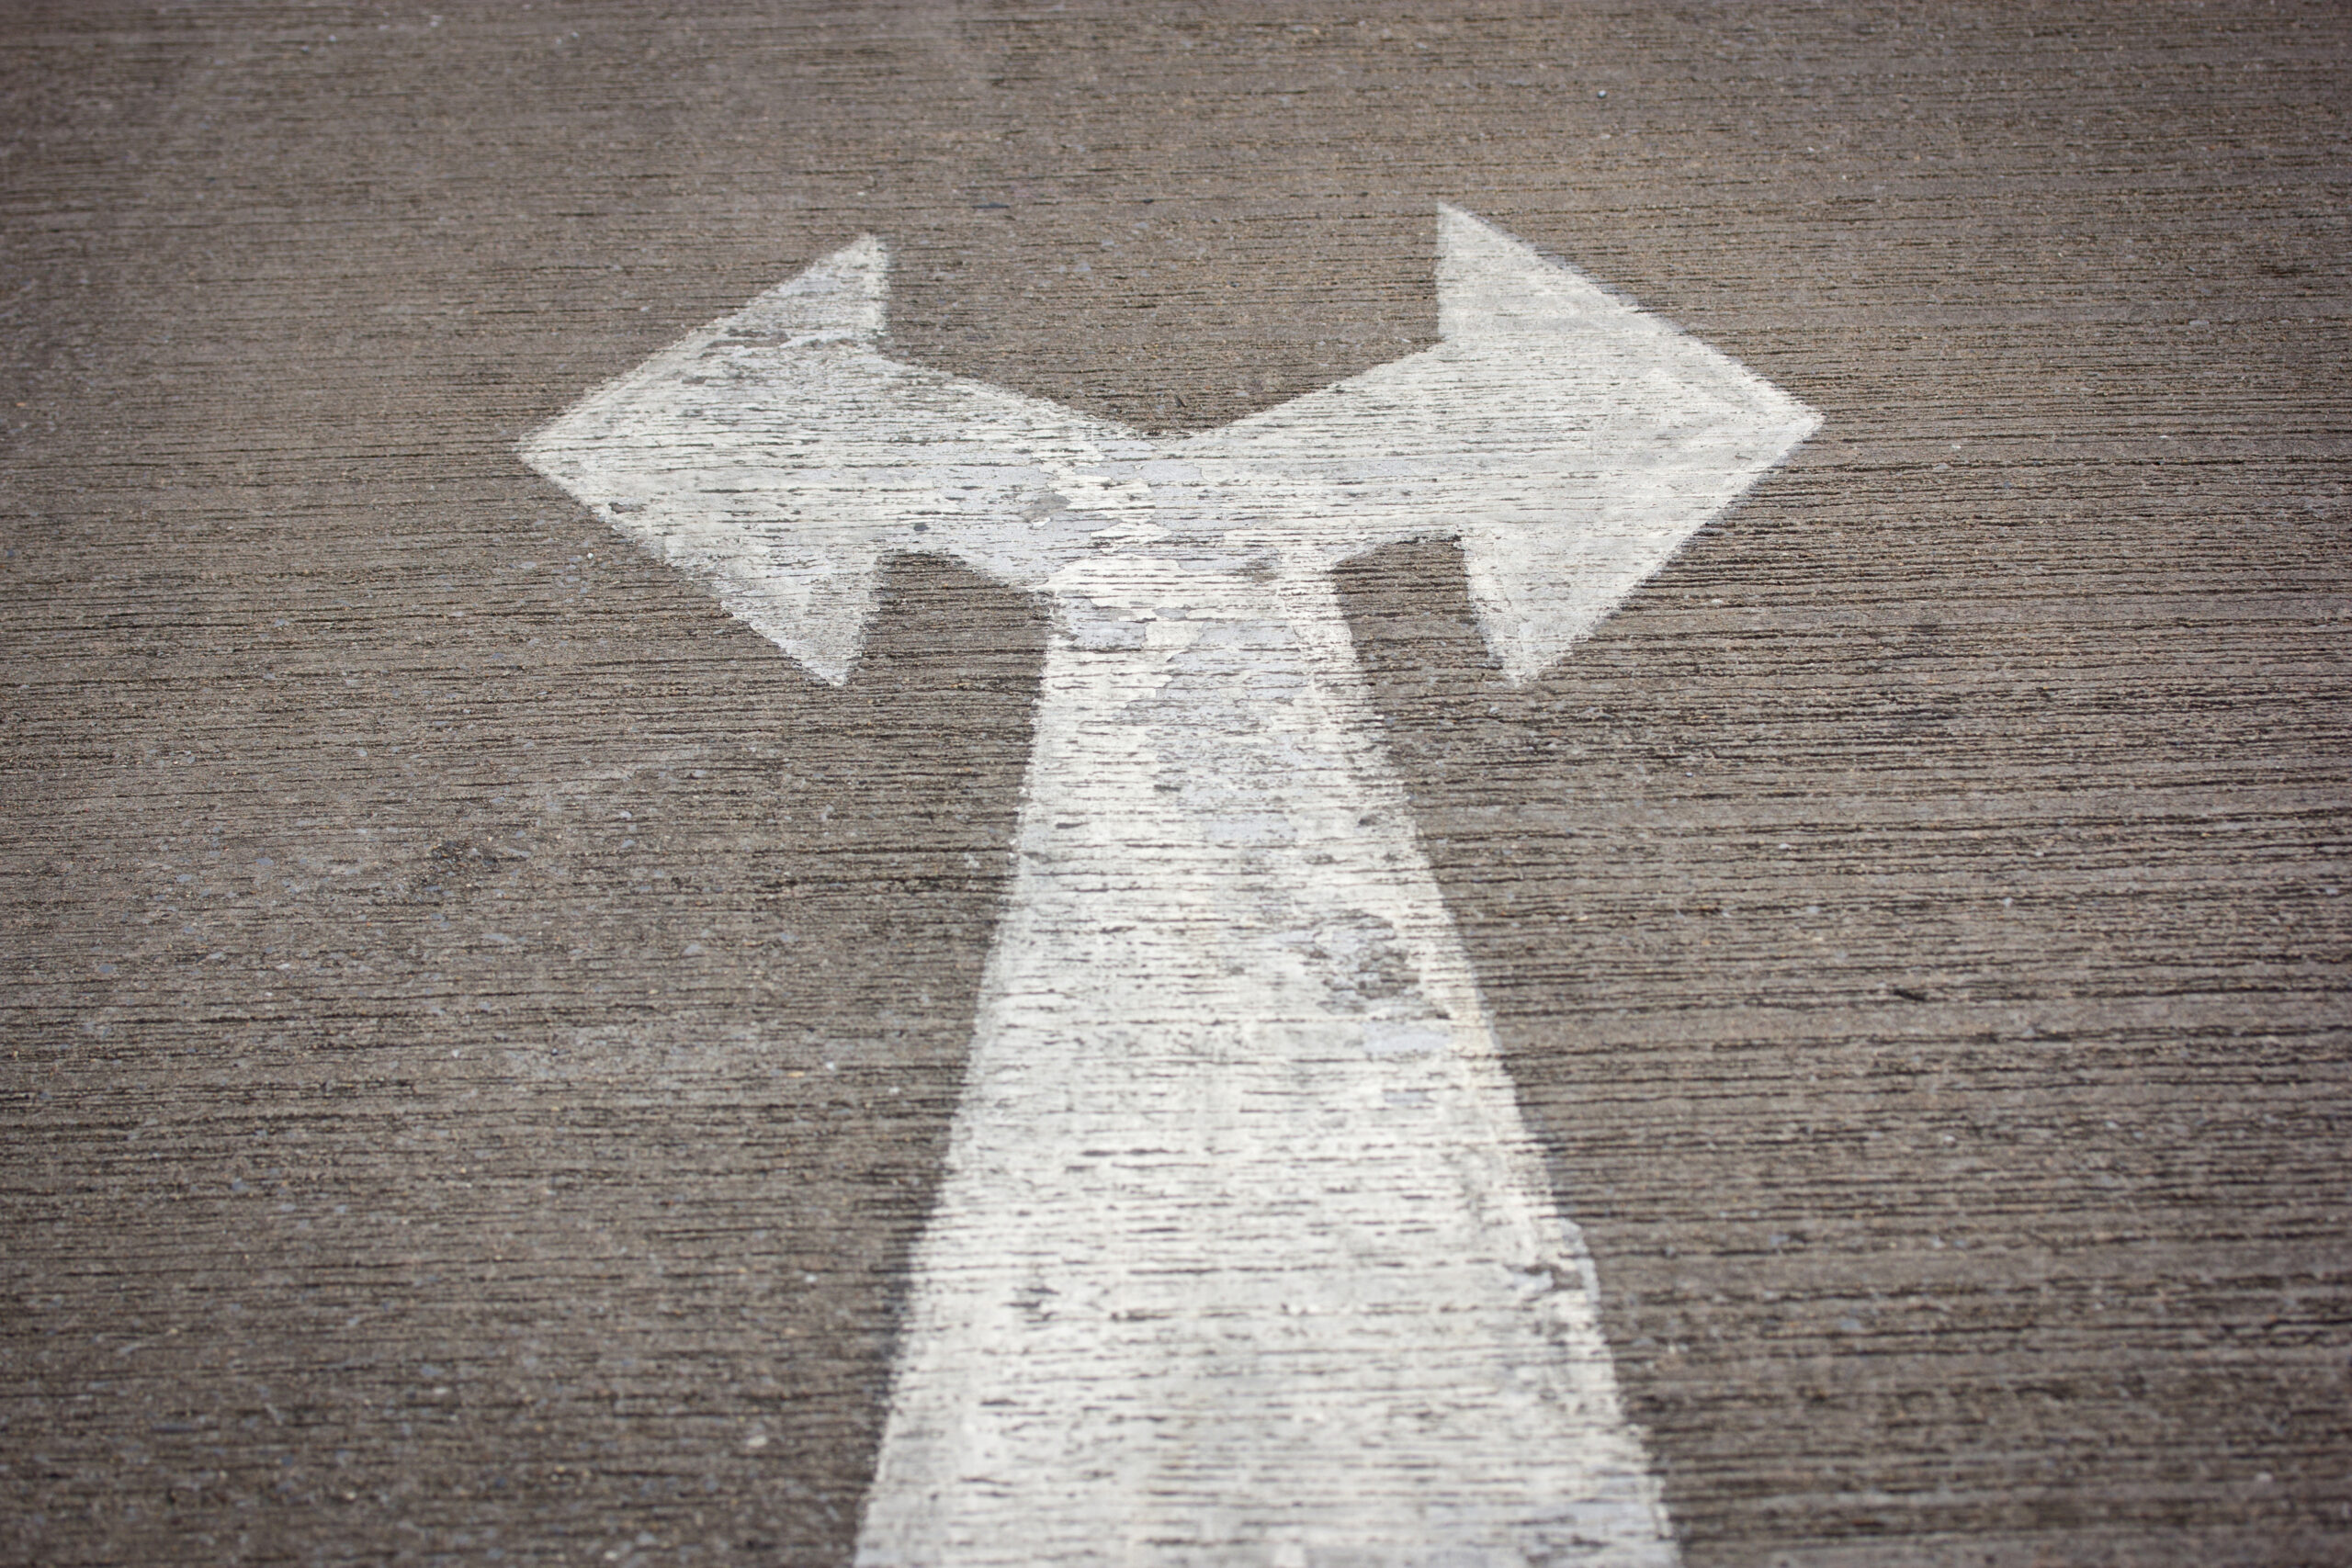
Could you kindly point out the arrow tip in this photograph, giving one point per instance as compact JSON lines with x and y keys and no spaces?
{"x":844,"y":296}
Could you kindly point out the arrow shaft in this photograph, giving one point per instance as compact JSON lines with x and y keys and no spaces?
{"x":1242,"y":1254}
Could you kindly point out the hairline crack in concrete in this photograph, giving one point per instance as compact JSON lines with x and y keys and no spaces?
{"x":1242,"y":1253}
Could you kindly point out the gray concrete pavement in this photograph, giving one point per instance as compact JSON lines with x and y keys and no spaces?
{"x":480,"y":1025}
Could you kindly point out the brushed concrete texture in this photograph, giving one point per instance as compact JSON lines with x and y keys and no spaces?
{"x":480,"y":1025}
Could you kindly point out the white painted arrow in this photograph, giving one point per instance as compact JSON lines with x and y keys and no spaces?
{"x":1242,"y":1255}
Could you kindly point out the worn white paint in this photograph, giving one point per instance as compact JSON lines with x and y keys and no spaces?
{"x":1242,"y":1254}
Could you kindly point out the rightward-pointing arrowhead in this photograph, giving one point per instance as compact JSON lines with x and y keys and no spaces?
{"x":1569,"y":440}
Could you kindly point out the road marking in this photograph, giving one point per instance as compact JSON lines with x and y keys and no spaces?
{"x":1242,"y":1255}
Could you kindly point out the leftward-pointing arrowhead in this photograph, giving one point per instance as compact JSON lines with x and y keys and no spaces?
{"x":1569,"y":440}
{"x":776,"y":455}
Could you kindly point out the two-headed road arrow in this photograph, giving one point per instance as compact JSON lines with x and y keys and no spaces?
{"x":1243,"y":1253}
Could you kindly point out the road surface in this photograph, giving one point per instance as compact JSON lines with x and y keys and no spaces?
{"x":481,"y":1025}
